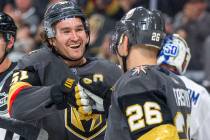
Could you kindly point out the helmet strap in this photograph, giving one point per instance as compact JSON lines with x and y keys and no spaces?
{"x":7,"y":39}
{"x":4,"y":56}
{"x":124,"y":58}
{"x":124,"y":61}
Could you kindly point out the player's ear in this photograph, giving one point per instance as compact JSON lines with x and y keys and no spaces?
{"x":11,"y":42}
{"x":123,"y":46}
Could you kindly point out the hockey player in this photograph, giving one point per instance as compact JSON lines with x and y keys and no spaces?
{"x":175,"y":56}
{"x":147,"y":103}
{"x":154,"y":109}
{"x":7,"y":39}
{"x":10,"y":126}
{"x":44,"y":89}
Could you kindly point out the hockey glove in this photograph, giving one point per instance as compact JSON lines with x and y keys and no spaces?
{"x":98,"y":91}
{"x":69,"y":93}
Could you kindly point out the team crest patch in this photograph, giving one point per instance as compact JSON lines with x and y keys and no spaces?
{"x":139,"y":69}
{"x":84,"y":127}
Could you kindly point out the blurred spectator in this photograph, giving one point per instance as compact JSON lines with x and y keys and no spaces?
{"x":113,"y":10}
{"x":87,"y":6}
{"x":182,"y":32}
{"x":109,"y":8}
{"x":193,"y":24}
{"x":99,"y":26}
{"x":3,"y":3}
{"x":168,"y":23}
{"x":104,"y":51}
{"x":24,"y":43}
{"x":10,"y":10}
{"x":208,"y":7}
{"x":39,"y":37}
{"x":170,"y":7}
{"x":96,"y":22}
{"x":126,"y":5}
{"x":100,"y":5}
{"x":206,"y":81}
{"x":41,"y":6}
{"x":27,"y":14}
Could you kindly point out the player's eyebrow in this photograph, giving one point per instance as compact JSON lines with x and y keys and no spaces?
{"x":69,"y":28}
{"x":80,"y":26}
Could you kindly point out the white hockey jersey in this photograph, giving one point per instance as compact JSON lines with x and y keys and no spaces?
{"x":200,"y":114}
{"x":3,"y":100}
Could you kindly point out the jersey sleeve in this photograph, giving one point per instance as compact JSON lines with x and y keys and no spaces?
{"x":200,"y":118}
{"x":144,"y":111}
{"x":27,"y":99}
{"x":117,"y":127}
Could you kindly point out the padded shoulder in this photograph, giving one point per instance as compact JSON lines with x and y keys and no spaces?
{"x":37,"y":57}
{"x":141,"y":79}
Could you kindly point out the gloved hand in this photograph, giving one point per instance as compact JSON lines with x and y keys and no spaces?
{"x":70,"y":93}
{"x":98,"y":91}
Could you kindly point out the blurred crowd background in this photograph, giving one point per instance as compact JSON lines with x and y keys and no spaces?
{"x":189,"y":18}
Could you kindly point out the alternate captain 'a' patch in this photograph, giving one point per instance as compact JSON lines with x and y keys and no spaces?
{"x":84,"y":127}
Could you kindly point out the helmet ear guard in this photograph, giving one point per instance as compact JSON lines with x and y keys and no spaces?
{"x":49,"y":30}
{"x":175,"y":52}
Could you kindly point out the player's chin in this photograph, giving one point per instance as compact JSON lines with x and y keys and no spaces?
{"x":76,"y":56}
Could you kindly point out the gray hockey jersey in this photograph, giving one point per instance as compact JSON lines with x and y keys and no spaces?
{"x":144,"y":98}
{"x":34,"y":78}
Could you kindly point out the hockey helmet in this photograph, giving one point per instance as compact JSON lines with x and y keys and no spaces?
{"x":7,"y":26}
{"x":142,"y":26}
{"x":60,"y":11}
{"x":175,"y":52}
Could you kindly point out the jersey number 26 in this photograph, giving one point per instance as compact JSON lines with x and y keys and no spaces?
{"x":140,"y":116}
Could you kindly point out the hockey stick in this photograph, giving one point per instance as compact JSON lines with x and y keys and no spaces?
{"x":21,"y":128}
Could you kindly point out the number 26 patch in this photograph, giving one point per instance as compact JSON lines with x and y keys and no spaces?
{"x":141,"y":116}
